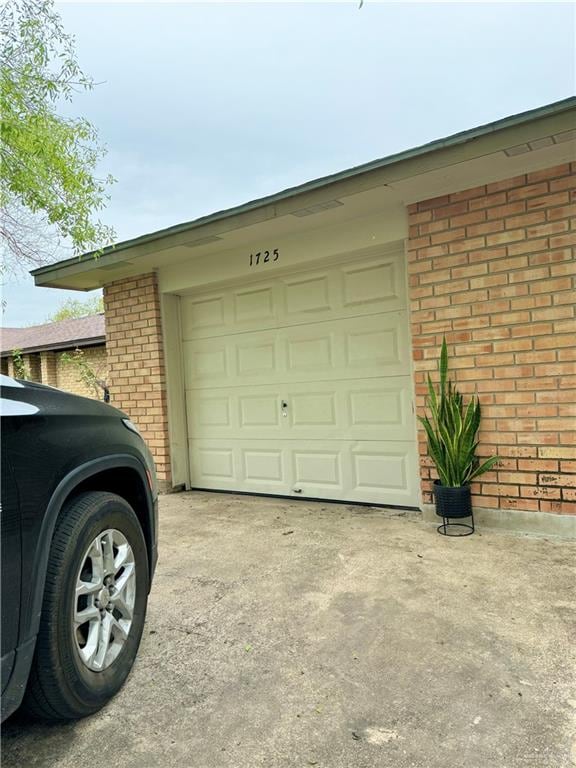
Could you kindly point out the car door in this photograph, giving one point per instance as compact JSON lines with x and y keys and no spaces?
{"x":11,"y":559}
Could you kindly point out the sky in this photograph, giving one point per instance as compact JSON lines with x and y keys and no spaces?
{"x":203,"y":106}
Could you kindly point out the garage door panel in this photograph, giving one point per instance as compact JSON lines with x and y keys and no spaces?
{"x":231,"y":311}
{"x":256,"y":411}
{"x":255,"y":357}
{"x":364,"y":409}
{"x":384,"y":470}
{"x":215,"y":464}
{"x":214,"y":412}
{"x":373,"y":472}
{"x":253,"y":305}
{"x":208,"y":364}
{"x":373,"y":285}
{"x":307,"y":296}
{"x":375,"y":408}
{"x":263,"y":466}
{"x":378,"y":345}
{"x":360,"y":347}
{"x":380,"y":409}
{"x":311,"y":353}
{"x":368,"y":286}
{"x":315,"y":468}
{"x":231,"y":360}
{"x":205,"y":315}
{"x":312,"y":408}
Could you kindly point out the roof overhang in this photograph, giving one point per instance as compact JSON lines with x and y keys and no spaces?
{"x":506,"y":148}
{"x":93,"y":341}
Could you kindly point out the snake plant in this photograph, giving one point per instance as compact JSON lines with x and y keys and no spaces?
{"x":452,"y":431}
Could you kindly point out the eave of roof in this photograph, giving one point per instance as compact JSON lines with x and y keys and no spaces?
{"x":92,"y":341}
{"x":462,"y":137}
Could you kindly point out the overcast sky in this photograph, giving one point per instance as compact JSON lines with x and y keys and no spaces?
{"x":204,"y":106}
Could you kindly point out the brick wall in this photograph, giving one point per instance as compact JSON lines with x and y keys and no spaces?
{"x":48,"y":372}
{"x":136,"y":361}
{"x":48,"y":368}
{"x":493,"y":269}
{"x":31,"y":366}
{"x":67,"y":376}
{"x":32,"y":362}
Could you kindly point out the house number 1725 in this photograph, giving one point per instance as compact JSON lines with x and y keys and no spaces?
{"x":261,"y":257}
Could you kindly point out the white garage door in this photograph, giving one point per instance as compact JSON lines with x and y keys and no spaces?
{"x":301,"y":385}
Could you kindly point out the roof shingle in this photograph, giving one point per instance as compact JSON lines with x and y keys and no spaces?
{"x":77,"y":332}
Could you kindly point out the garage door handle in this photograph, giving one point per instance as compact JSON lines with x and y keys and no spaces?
{"x":284,"y":408}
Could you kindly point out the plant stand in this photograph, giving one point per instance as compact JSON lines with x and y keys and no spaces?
{"x":450,"y":528}
{"x":454,"y":505}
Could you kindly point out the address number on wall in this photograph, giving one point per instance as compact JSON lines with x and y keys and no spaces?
{"x":263,"y":257}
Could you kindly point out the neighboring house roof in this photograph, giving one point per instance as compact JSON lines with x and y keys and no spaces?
{"x":78,"y":332}
{"x":54,"y":274}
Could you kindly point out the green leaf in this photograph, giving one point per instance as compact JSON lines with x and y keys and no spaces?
{"x":452,"y":429}
{"x":485,"y":467}
{"x":48,"y":162}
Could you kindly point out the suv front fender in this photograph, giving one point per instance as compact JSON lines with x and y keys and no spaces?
{"x":31,"y":605}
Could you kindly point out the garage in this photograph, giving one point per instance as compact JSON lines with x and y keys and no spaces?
{"x":274,"y":348}
{"x":301,"y":385}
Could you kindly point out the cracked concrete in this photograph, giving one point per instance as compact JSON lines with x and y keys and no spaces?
{"x":293,"y":634}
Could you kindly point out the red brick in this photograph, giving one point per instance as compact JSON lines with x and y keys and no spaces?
{"x":549,"y":173}
{"x":550,"y":286}
{"x":499,"y":186}
{"x":421,"y":217}
{"x":488,"y":201}
{"x":504,"y":211}
{"x":509,"y":264}
{"x":563,"y":241}
{"x":435,"y":202}
{"x":452,"y":234}
{"x":550,"y":228}
{"x":487,"y":227}
{"x":561,"y":212}
{"x":528,"y":190}
{"x":434,"y":250}
{"x":466,"y":219}
{"x":529,"y":275}
{"x":559,"y":185}
{"x":568,"y":268}
{"x":528,"y":246}
{"x":432,"y":226}
{"x":468,"y":194}
{"x":450,"y":210}
{"x":551,"y":257}
{"x":548,"y":201}
{"x":488,"y":281}
{"x":469,"y":270}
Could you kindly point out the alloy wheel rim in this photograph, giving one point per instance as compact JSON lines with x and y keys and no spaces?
{"x":104,"y":600}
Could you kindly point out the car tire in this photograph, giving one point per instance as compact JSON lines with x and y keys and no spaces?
{"x":65,"y":680}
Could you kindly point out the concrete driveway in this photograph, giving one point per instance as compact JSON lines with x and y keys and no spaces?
{"x":296,"y":634}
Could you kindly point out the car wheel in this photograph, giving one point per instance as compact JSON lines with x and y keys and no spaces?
{"x":93,"y":611}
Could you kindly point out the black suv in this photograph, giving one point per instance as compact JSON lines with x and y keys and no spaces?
{"x":79,"y":530}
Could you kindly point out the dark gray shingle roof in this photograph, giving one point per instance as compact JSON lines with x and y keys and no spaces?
{"x":78,"y":332}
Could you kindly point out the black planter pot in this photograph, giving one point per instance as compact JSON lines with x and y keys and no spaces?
{"x":452,"y":502}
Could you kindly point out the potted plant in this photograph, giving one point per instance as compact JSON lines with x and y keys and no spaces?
{"x":451,"y":432}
